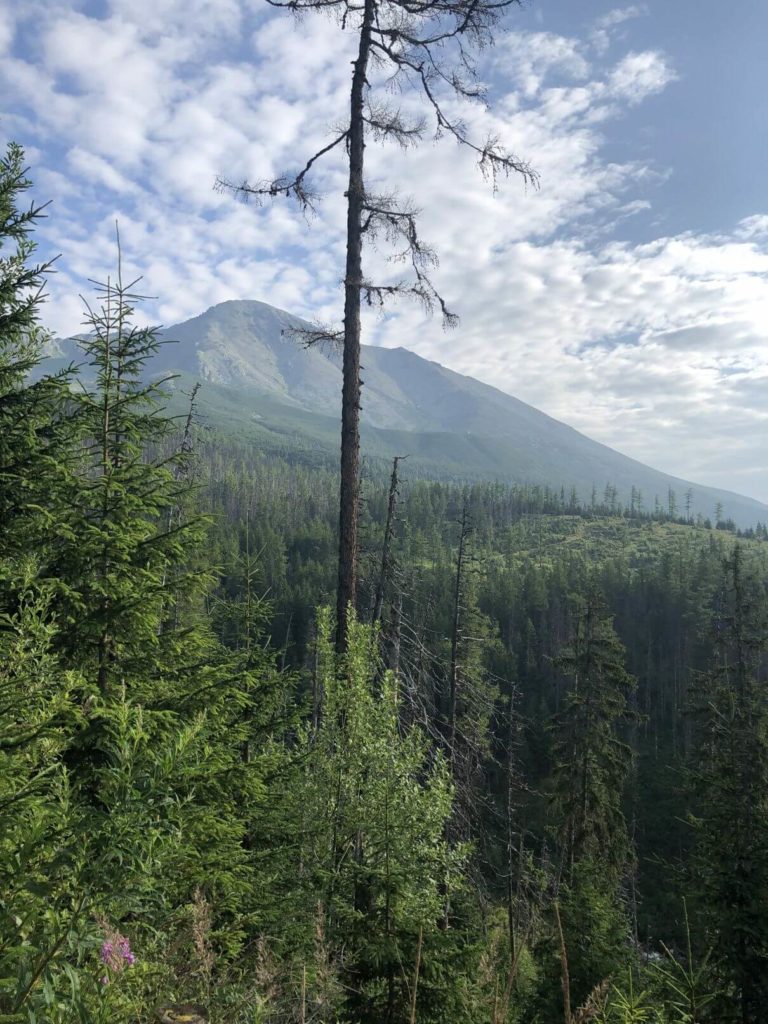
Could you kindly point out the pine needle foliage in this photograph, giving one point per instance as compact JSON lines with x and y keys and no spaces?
{"x":729,"y":777}
{"x":592,"y":760}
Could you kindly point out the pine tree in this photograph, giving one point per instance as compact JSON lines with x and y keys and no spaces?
{"x":139,"y":633}
{"x":671,"y":504}
{"x":125,"y":796}
{"x":591,"y":766}
{"x":592,"y":762}
{"x":35,"y":427}
{"x":729,"y":780}
{"x":472,"y":693}
{"x":127,"y":563}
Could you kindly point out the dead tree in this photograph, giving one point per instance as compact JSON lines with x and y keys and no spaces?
{"x":395,"y":634}
{"x":427,"y":46}
{"x":385,"y":569}
{"x":465,"y":531}
{"x":181,"y":473}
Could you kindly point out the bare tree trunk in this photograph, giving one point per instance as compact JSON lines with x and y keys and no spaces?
{"x":565,"y":980}
{"x":455,"y":631}
{"x":349,"y":494}
{"x":511,"y":850}
{"x":317,"y":693}
{"x":303,"y":993}
{"x":453,"y":697}
{"x":417,"y":969}
{"x":386,"y":548}
{"x":107,"y":465}
{"x":513,"y":853}
{"x":408,"y":40}
{"x":395,"y":629}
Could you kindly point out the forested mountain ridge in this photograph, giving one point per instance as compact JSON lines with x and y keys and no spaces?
{"x":263,"y":382}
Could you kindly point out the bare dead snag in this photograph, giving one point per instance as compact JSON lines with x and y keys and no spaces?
{"x":385,"y":569}
{"x":465,"y":529}
{"x":565,"y":980}
{"x":427,"y":47}
{"x":395,"y":634}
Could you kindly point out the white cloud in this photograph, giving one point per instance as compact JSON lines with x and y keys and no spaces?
{"x":634,"y":345}
{"x":98,"y":171}
{"x":526,"y":58}
{"x":7,"y":29}
{"x":620,"y":15}
{"x":199,"y":20}
{"x":638,"y":76}
{"x":604,"y":31}
{"x":753,"y":227}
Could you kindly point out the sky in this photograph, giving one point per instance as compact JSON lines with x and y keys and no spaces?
{"x":626,"y":296}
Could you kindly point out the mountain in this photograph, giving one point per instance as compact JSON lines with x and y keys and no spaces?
{"x":260,"y":381}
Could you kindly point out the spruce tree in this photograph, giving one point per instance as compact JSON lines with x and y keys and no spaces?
{"x":35,"y":427}
{"x":591,"y":766}
{"x":592,"y":761}
{"x":128,"y":540}
{"x":126,"y":801}
{"x":729,"y":781}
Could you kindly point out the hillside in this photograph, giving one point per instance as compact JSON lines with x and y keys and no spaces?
{"x":261,"y":382}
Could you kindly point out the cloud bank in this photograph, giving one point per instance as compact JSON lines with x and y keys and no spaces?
{"x":129,"y":109}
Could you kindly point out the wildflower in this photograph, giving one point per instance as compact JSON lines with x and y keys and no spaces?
{"x":116,"y":953}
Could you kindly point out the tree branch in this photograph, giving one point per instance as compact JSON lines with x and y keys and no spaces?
{"x":284,"y":185}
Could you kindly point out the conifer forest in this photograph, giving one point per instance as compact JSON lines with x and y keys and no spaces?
{"x":288,"y":740}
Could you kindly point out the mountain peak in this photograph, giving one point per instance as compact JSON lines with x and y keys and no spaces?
{"x":452,"y":424}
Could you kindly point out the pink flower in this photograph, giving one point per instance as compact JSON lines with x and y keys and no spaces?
{"x":116,"y":953}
